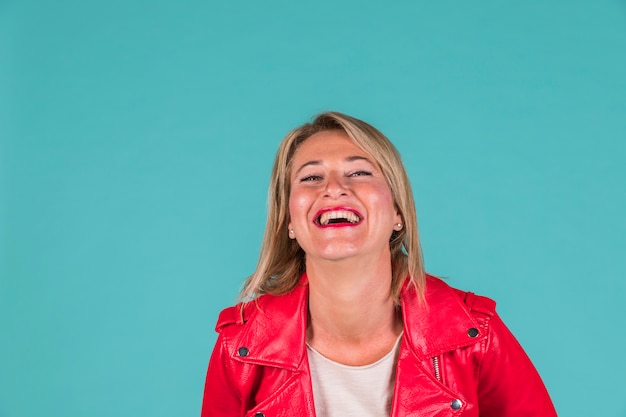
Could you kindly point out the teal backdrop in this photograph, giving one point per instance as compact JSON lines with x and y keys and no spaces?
{"x":137,"y":139}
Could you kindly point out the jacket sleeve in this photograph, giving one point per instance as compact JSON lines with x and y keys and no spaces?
{"x":220,"y":396}
{"x":509,"y":385}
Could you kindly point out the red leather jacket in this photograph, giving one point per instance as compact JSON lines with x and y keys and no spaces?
{"x":457,"y":358}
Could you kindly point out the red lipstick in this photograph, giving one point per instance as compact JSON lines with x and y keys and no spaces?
{"x":339,"y":216}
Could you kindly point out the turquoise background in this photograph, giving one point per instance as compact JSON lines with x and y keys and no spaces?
{"x":137,"y":140}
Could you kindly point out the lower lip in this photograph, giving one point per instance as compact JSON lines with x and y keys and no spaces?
{"x":333,"y":225}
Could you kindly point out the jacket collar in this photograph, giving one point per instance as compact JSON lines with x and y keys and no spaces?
{"x":442,"y":324}
{"x":275,"y":329}
{"x":275,"y":326}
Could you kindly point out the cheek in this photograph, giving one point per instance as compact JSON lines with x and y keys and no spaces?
{"x":297,"y":203}
{"x":381,"y":196}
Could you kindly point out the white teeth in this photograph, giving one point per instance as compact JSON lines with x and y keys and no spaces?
{"x":326,"y":217}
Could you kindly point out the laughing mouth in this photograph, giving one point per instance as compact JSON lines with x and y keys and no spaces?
{"x":338,"y":217}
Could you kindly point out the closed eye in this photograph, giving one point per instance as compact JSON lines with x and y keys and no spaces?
{"x":310,"y":178}
{"x":359,"y":174}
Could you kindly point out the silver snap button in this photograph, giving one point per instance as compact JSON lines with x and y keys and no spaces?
{"x":456,"y":404}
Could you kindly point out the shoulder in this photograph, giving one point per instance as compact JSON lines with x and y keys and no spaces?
{"x":232,"y":324}
{"x":477,"y":303}
{"x":232,"y":315}
{"x":263,"y":327}
{"x":446,"y":319}
{"x":239,"y":314}
{"x":263,"y":310}
{"x":437,"y":290}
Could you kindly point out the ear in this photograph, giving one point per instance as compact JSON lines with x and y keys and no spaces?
{"x":398,"y":221}
{"x":290,"y":231}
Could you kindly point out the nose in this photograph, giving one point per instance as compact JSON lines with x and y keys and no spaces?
{"x":335,"y":186}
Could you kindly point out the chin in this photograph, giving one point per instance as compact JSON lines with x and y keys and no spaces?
{"x":337,"y":253}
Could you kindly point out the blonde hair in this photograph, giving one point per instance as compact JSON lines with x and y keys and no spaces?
{"x":282,"y":261}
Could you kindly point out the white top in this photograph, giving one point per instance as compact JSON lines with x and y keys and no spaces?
{"x":353,"y":391}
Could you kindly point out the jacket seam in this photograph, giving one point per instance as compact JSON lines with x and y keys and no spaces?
{"x":485,"y":346}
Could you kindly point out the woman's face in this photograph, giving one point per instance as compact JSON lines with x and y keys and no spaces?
{"x":340,"y":205}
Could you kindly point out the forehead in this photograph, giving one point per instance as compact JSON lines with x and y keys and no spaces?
{"x":328,"y":144}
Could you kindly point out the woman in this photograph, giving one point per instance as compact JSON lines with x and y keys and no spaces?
{"x":340,"y":319}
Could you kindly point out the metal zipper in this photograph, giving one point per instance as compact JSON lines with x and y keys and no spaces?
{"x":436,"y":367}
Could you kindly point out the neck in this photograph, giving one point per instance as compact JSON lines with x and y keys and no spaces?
{"x":351,"y":309}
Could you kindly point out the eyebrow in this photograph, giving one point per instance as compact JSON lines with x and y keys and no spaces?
{"x":318,"y":162}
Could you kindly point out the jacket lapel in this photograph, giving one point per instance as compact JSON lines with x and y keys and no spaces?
{"x":275,"y":331}
{"x":275,"y":328}
{"x":417,"y":392}
{"x":442,"y":325}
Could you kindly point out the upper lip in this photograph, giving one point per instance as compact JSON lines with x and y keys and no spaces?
{"x":324,"y":215}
